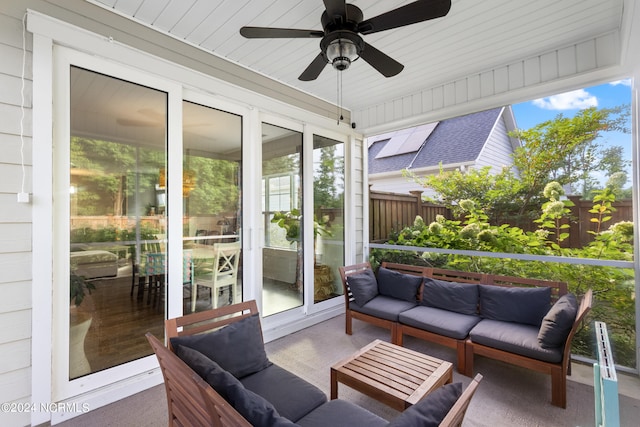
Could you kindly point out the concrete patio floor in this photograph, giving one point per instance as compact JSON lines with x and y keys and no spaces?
{"x":507,"y":396}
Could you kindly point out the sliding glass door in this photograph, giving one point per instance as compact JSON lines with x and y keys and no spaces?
{"x":211,"y":190}
{"x":328,"y":217}
{"x":282,"y":254}
{"x":117,"y":227}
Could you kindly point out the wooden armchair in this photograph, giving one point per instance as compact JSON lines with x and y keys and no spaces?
{"x":457,"y":412}
{"x":191,"y":401}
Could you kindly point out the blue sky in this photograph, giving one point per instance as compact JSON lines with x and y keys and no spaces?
{"x":528,"y":114}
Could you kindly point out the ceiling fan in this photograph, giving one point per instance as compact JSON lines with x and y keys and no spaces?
{"x":342,"y":25}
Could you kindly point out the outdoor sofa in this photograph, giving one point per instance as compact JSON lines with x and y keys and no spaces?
{"x":242,"y":387}
{"x":521,"y":321}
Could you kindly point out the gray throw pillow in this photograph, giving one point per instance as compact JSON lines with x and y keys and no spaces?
{"x":364,"y":286}
{"x":431,"y":410}
{"x":219,"y":379}
{"x":458,"y":297}
{"x":237,"y":348}
{"x":253,"y":407}
{"x":558,"y":322}
{"x":398,"y":285}
{"x":518,"y":305}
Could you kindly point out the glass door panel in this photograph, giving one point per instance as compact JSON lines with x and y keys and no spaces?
{"x":328,"y":219}
{"x":211,"y":188}
{"x":117,"y":226}
{"x":282,"y":286}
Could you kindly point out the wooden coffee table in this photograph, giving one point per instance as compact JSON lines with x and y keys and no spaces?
{"x":394,"y":375}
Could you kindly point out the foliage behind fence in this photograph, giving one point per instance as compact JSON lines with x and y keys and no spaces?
{"x":389,"y":213}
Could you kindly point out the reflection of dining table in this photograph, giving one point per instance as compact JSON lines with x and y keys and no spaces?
{"x":155,"y":270}
{"x":203,"y":247}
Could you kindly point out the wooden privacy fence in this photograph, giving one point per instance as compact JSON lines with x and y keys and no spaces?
{"x":579,"y":232}
{"x":389,"y":212}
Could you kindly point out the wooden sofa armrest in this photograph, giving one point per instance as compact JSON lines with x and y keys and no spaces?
{"x":188,"y":405}
{"x":456,"y":414}
{"x":583,"y":309}
{"x":209,"y":320}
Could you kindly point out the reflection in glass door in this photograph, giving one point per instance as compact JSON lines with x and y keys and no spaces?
{"x":282,"y":286}
{"x":328,"y":217}
{"x":211,"y":188}
{"x":117,"y":252}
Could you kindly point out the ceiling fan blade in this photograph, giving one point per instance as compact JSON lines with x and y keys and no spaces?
{"x":314,"y":69}
{"x":386,"y":65}
{"x":418,"y":11}
{"x":278,"y":33}
{"x":336,"y":8}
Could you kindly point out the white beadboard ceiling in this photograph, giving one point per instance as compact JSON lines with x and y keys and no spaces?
{"x":474,"y":37}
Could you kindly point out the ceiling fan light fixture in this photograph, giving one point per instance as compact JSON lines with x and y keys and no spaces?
{"x":341,"y":53}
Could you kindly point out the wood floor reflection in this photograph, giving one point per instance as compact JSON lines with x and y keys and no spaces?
{"x":116,"y":335}
{"x":119,"y":320}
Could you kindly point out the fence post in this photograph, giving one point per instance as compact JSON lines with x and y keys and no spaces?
{"x":575,"y":223}
{"x":418,"y":210}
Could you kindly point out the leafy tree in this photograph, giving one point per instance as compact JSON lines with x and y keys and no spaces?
{"x":496,"y":194}
{"x":328,"y":180}
{"x":216,"y":190}
{"x":563,"y":149}
{"x":106,"y":171}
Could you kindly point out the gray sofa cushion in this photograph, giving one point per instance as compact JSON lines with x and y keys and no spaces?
{"x":515,"y":338}
{"x":441,"y":322}
{"x":384,"y":307}
{"x":340,"y":413}
{"x":253,"y":407}
{"x":431,"y":410}
{"x":292,"y":396}
{"x":519,"y":305}
{"x":364,"y":286}
{"x":398,"y":285}
{"x":244,"y":336}
{"x":557,"y":323}
{"x":459,"y":297}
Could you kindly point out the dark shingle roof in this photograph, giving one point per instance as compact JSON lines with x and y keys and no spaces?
{"x":454,"y":140}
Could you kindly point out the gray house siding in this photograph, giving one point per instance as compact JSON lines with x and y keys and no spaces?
{"x":498,"y":150}
{"x":15,"y":220}
{"x":475,"y":140}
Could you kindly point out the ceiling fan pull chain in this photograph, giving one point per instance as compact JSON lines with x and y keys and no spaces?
{"x":341,"y":92}
{"x":338,"y":100}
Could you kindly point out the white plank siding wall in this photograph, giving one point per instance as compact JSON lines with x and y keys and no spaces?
{"x":497,"y":86}
{"x":497,"y":151}
{"x":361,"y":197}
{"x":15,"y":222}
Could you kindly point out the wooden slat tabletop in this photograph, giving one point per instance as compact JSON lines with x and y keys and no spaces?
{"x":394,"y":375}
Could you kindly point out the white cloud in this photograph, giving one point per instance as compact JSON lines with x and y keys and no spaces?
{"x":625,"y":82}
{"x":577,"y":99}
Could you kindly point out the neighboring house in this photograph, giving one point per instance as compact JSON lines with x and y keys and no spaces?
{"x":471,"y":141}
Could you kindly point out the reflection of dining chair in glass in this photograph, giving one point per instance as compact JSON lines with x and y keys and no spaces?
{"x":223,"y":272}
{"x":156,"y":268}
{"x":138,"y":269}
